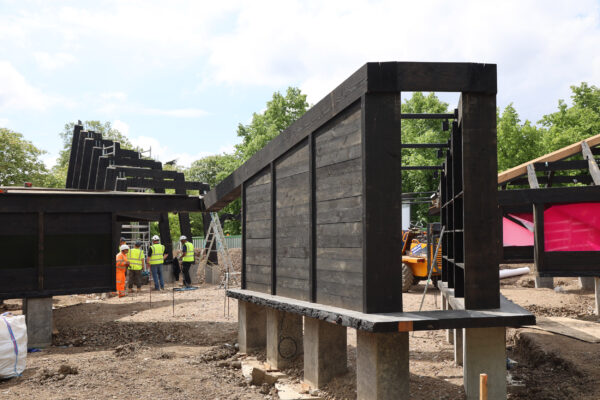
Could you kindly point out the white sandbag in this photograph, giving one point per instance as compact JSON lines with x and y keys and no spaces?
{"x":13,"y":345}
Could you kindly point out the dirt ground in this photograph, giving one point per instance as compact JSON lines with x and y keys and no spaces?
{"x":137,"y":348}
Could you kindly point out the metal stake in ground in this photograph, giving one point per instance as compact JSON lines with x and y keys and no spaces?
{"x":173,"y":301}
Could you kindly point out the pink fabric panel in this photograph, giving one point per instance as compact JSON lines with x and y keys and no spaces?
{"x":572,"y":227}
{"x":516,"y":235}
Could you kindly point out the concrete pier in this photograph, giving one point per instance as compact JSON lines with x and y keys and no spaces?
{"x":252,"y":326}
{"x":382,"y":366}
{"x":458,"y":346}
{"x":38,"y":317}
{"x":284,"y":337}
{"x":325,"y":351}
{"x":586,"y":282}
{"x":485,"y":352}
{"x":597,"y":295}
{"x":544,"y":282}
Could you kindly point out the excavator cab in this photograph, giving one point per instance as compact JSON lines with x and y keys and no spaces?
{"x":418,"y":250}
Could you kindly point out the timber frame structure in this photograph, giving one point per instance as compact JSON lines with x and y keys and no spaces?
{"x":58,"y":242}
{"x":100,"y":164}
{"x":540,"y":176}
{"x":322,"y":224}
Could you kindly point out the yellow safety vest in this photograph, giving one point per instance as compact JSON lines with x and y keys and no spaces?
{"x":136,"y":257}
{"x":157,"y":254}
{"x":189,"y":252}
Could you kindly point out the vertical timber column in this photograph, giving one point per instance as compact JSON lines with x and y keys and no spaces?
{"x":184,"y":218}
{"x":382,"y":202}
{"x":477,"y":116}
{"x":252,"y":326}
{"x":284,"y":337}
{"x":539,"y":248}
{"x":485,"y":352}
{"x":382,"y":366}
{"x":73,"y":155}
{"x":325,"y":351}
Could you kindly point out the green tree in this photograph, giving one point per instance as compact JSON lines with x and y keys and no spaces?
{"x":422,"y":131}
{"x":281,"y":112}
{"x":572,"y":124}
{"x":517,"y":143}
{"x":20,"y":161}
{"x":106,"y":129}
{"x":212,"y":169}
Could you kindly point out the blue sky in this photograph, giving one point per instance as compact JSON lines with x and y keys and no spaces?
{"x":180,"y":75}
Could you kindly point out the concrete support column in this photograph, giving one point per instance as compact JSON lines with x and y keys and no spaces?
{"x":586,"y":282}
{"x":325,"y":351}
{"x":597,"y":294}
{"x":449,"y":332}
{"x":485,"y":352}
{"x":252,"y":326}
{"x":382,"y":366}
{"x":458,"y":346}
{"x":284,"y":337}
{"x":38,"y":317}
{"x":544,"y":282}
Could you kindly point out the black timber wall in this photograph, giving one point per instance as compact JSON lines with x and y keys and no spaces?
{"x":337,"y":276}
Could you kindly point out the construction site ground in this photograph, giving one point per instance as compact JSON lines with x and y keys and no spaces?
{"x":131,"y":348}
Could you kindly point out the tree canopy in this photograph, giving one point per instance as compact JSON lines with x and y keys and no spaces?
{"x":20,"y":161}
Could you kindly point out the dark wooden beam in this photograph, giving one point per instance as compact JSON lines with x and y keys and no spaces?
{"x":526,"y":197}
{"x":388,"y":77}
{"x":382,"y":214}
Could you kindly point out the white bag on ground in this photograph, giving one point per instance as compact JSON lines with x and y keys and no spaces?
{"x":13,"y":345}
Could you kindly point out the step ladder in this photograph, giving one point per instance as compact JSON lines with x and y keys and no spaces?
{"x":215,"y":236}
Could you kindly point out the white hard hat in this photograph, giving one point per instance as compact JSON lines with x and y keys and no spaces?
{"x":124,"y":247}
{"x":183,"y":237}
{"x":155,"y":237}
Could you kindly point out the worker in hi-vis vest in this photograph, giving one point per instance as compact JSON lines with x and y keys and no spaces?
{"x":136,"y":264}
{"x":122,"y":264}
{"x":187,"y":259}
{"x":156,"y":258}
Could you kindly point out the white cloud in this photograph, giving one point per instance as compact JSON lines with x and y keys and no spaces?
{"x":3,"y":122}
{"x":178,"y":113}
{"x":120,"y":96}
{"x":54,"y":61}
{"x":121,"y":127}
{"x":164,"y":153}
{"x":18,"y":94}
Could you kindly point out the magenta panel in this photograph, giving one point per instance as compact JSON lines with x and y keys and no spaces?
{"x":572,"y":227}
{"x":515,"y":234}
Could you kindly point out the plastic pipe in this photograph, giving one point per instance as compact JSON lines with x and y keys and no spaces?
{"x":507,"y":273}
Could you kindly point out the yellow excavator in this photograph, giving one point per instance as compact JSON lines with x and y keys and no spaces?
{"x":418,"y":248}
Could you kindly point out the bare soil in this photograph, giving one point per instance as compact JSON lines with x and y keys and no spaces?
{"x":137,"y":348}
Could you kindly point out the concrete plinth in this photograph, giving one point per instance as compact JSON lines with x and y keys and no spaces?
{"x":38,"y":317}
{"x":252,"y":327}
{"x":212,"y":275}
{"x":586,"y":282}
{"x":284,"y":337}
{"x":449,"y":332}
{"x":458,"y":346}
{"x":545,"y":282}
{"x":485,"y":352}
{"x":168,"y":273}
{"x":325,"y":351}
{"x":382,"y":366}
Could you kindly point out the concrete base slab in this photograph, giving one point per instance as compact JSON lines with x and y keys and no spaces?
{"x":382,"y":366}
{"x":252,"y":326}
{"x":544,"y":282}
{"x":284,"y":337}
{"x":458,"y":346}
{"x":485,"y":352}
{"x":38,"y":317}
{"x":325,"y":351}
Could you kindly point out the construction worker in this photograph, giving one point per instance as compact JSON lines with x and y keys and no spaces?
{"x":187,"y":259}
{"x":156,"y":258}
{"x":122,"y":241}
{"x":136,"y":264}
{"x":122,"y":265}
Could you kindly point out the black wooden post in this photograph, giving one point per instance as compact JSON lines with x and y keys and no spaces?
{"x":477,"y":116}
{"x":538,"y":232}
{"x":382,"y":202}
{"x":273,"y":229}
{"x":243,"y":216}
{"x":312,"y":210}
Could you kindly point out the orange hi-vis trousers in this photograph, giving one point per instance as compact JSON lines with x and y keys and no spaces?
{"x":121,"y":273}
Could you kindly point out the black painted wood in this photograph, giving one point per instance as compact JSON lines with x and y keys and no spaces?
{"x":382,"y":203}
